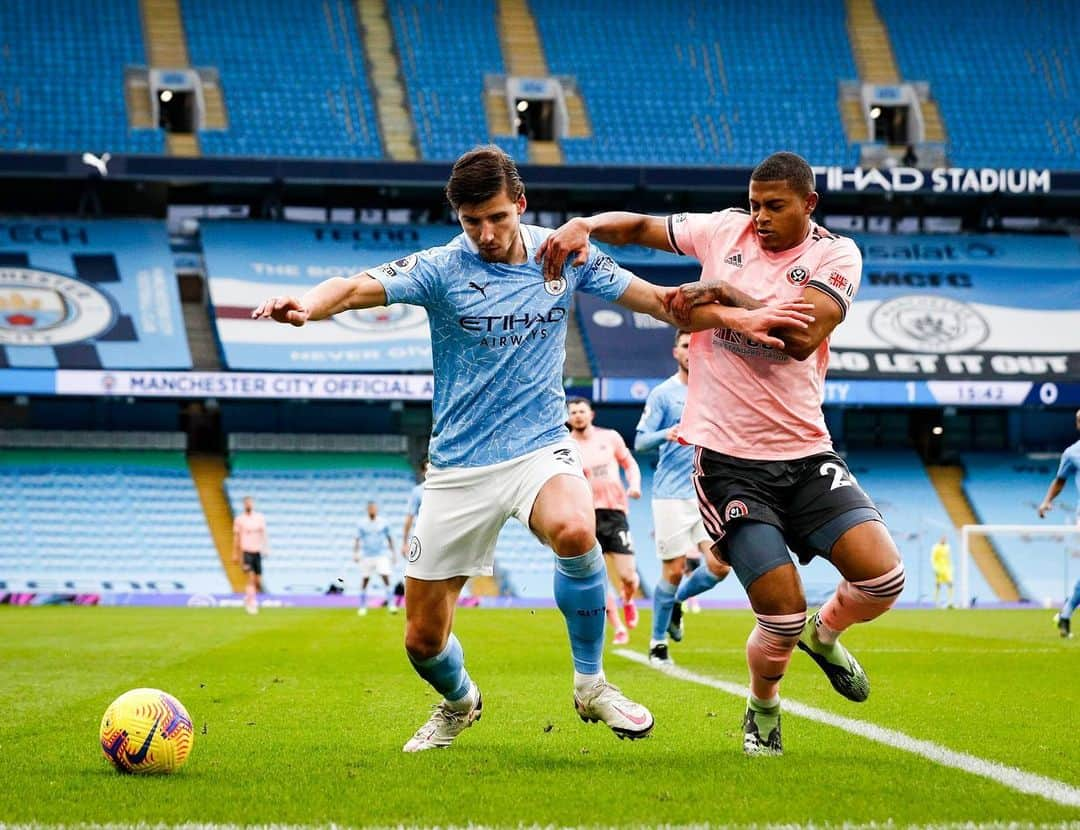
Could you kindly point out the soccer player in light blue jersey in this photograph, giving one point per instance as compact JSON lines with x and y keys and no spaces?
{"x":1069,"y":466}
{"x":499,"y":445}
{"x":369,"y":554}
{"x":677,"y":523}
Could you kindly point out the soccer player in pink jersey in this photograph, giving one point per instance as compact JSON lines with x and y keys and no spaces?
{"x":603,"y":454}
{"x":249,"y":539}
{"x":766,"y":475}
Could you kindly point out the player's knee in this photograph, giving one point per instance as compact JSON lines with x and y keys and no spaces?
{"x":423,"y":644}
{"x":572,"y":537}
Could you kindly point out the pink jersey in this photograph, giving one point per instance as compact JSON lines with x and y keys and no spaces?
{"x":603,"y":452}
{"x":745,"y":399}
{"x":252,"y":530}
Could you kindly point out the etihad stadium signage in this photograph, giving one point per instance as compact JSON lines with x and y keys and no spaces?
{"x":968,"y":180}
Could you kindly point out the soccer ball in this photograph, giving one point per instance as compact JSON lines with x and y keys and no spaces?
{"x":146,"y":730}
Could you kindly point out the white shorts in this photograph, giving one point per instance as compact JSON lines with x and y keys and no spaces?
{"x":464,"y":508}
{"x":678,"y":527}
{"x":371,"y":565}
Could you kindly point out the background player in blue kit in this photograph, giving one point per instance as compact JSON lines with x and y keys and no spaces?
{"x":369,"y":551}
{"x":1070,"y":464}
{"x":499,"y":446}
{"x":677,"y":523}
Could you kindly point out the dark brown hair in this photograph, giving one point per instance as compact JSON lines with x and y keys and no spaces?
{"x":481,"y":174}
{"x":681,"y":333}
{"x":573,"y":401}
{"x":786,"y":167}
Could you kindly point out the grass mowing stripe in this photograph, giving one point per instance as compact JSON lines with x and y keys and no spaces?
{"x":1025,"y":782}
{"x":871,"y":825}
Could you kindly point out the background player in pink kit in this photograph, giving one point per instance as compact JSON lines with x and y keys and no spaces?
{"x":603,"y":453}
{"x":766,"y":475}
{"x":249,"y":540}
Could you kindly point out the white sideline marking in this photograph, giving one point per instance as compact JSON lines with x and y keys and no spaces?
{"x":1025,"y":782}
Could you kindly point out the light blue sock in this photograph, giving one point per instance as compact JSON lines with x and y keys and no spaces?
{"x":663,"y":600}
{"x":698,"y":582}
{"x":446,"y":671}
{"x":1071,"y":603}
{"x":579,"y":593}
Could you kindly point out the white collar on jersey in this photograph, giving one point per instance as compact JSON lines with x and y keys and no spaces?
{"x":528,"y":239}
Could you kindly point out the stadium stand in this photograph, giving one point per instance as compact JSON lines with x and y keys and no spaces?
{"x":1005,"y":75}
{"x":313,"y":502}
{"x":88,"y":521}
{"x":301,"y":95}
{"x":679,"y":82}
{"x":446,"y":48}
{"x":899,"y":485}
{"x":62,"y":76}
{"x":1006,"y":488}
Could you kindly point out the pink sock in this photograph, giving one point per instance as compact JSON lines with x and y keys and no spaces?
{"x":861,"y":601}
{"x":768,"y":651}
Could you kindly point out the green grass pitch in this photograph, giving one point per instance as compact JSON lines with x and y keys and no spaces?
{"x":300,"y":717}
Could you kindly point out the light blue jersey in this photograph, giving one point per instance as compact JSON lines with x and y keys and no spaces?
{"x":498,"y":337}
{"x":374,"y":534}
{"x":415,"y":495}
{"x":1070,"y":465}
{"x":663,"y":410}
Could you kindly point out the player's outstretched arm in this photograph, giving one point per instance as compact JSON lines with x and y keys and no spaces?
{"x":649,"y":299}
{"x":1056,"y":486}
{"x":326,"y":299}
{"x":614,"y":227}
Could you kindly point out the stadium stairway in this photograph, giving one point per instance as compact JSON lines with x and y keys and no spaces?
{"x":166,"y":48}
{"x":870,"y":44}
{"x":384,"y":76}
{"x":524,"y":57}
{"x":948,"y":481}
{"x":208,"y":472}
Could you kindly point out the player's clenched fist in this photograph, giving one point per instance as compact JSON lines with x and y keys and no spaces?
{"x":283,"y":310}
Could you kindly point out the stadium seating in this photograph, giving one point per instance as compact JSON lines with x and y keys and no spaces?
{"x":445,"y":49}
{"x":62,"y":76}
{"x":1006,"y":488}
{"x":128,"y":521}
{"x":898,"y":483}
{"x":701,"y":82}
{"x":1005,"y":76}
{"x":313,"y":503}
{"x":293,"y":75}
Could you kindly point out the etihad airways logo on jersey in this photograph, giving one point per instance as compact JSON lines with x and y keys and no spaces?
{"x":512,"y":329}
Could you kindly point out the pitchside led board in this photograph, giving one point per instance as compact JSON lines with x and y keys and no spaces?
{"x":89,"y":295}
{"x":930,"y":308}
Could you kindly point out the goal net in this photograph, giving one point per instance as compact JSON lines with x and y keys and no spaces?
{"x":1043,"y":559}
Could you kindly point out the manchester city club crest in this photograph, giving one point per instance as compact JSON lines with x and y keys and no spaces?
{"x":555,"y":287}
{"x":42,"y":308}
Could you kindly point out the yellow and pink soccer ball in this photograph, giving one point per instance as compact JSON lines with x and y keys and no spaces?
{"x":146,"y":731}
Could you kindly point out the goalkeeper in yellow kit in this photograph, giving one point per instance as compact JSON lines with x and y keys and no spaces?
{"x":941,"y":560}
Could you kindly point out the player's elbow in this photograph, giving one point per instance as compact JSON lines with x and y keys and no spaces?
{"x":799,"y":346}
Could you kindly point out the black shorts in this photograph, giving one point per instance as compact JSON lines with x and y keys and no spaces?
{"x":253,"y":563}
{"x":613,"y":533}
{"x":799,"y":497}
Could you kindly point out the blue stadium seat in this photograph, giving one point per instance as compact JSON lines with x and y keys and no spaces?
{"x":1006,"y":488}
{"x":99,"y":518}
{"x":1005,"y":76}
{"x":674,"y":82}
{"x":62,"y":76}
{"x":293,"y":76}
